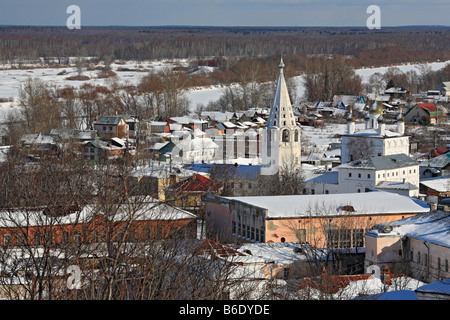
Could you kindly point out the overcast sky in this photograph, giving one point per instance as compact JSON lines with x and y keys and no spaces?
{"x":225,"y":12}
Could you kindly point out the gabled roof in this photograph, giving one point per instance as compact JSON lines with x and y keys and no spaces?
{"x":428,"y":106}
{"x":39,"y":138}
{"x":439,"y":162}
{"x":196,"y":183}
{"x":110,"y":120}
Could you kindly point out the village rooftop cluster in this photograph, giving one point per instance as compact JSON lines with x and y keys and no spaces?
{"x":369,"y":202}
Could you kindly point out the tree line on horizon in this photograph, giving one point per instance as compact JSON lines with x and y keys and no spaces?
{"x":368,"y":47}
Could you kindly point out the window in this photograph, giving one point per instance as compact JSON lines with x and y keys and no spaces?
{"x":37,"y":239}
{"x":7,"y":239}
{"x":77,"y":237}
{"x":21,"y":239}
{"x":368,"y":176}
{"x":358,"y":237}
{"x":233,"y":226}
{"x":296,"y":136}
{"x":285,"y":136}
{"x":301,"y":235}
{"x":349,"y":174}
{"x":286,"y":273}
{"x":359,"y":175}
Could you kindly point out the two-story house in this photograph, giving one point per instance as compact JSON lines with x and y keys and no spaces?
{"x":109,"y":127}
{"x":394,"y":173}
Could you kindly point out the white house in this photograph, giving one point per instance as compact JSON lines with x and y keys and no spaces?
{"x":394,"y":173}
{"x":194,"y":150}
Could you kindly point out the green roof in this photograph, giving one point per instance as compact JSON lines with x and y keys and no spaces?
{"x":382,"y":162}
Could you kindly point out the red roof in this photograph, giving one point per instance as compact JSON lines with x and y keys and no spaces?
{"x":429,"y":106}
{"x":196,"y":183}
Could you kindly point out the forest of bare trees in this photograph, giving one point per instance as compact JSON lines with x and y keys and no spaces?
{"x":369,"y":47}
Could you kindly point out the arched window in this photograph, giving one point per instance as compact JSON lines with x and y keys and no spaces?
{"x":285,"y":137}
{"x":296,"y":136}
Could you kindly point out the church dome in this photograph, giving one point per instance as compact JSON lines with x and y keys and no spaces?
{"x":376,"y":108}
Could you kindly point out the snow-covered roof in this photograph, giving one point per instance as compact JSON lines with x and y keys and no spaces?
{"x":282,"y":253}
{"x":375,"y":202}
{"x":439,"y":287}
{"x":395,"y":185}
{"x":374,"y":133}
{"x":196,"y":144}
{"x":440,"y":184}
{"x":151,"y":210}
{"x":439,"y":162}
{"x":432,"y":227}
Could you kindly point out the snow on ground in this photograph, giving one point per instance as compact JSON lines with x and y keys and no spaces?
{"x":365,"y":73}
{"x":11,"y":79}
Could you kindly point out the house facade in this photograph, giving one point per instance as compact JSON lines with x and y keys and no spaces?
{"x":394,"y":173}
{"x":109,"y":127}
{"x":422,"y":110}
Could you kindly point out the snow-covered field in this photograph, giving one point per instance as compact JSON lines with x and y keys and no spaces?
{"x":11,"y":79}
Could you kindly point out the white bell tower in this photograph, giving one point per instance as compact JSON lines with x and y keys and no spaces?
{"x":283,"y":132}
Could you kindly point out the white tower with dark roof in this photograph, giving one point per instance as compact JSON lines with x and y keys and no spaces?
{"x":283,"y":132}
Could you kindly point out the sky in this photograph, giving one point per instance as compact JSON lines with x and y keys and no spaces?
{"x":330,"y":13}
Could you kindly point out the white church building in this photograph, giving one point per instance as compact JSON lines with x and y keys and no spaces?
{"x":375,"y":139}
